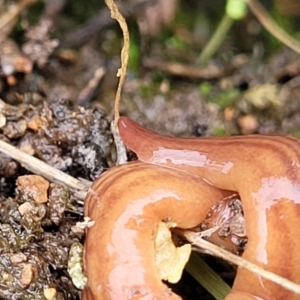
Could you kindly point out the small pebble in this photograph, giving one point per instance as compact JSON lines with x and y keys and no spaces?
{"x":28,"y":274}
{"x":2,"y":120}
{"x":33,"y":187}
{"x":50,"y":293}
{"x":24,"y":208}
{"x":36,"y":122}
{"x":18,"y":258}
{"x":229,"y":113}
{"x":248,"y":124}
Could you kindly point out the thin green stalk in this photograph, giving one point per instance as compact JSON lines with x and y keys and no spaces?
{"x":210,"y":280}
{"x":216,"y":40}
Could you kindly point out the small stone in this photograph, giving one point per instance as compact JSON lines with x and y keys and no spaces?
{"x":27,"y":149}
{"x":28,"y":274}
{"x":11,"y":80}
{"x":35,"y":123}
{"x":6,"y":277}
{"x":2,"y":120}
{"x":18,"y":258}
{"x":33,"y":187}
{"x":248,"y":124}
{"x":50,"y":293}
{"x":164,"y":86}
{"x":229,"y":113}
{"x":15,"y":129}
{"x":25,"y":208}
{"x":22,"y":64}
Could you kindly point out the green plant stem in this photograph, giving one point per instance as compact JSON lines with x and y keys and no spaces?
{"x":216,"y":40}
{"x":211,"y":281}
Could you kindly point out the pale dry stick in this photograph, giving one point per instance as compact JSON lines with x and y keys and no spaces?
{"x":197,"y":241}
{"x":6,"y":19}
{"x":119,"y":144}
{"x":39,"y":167}
{"x":115,"y":14}
{"x":212,"y":71}
{"x":264,"y":18}
{"x":91,"y":86}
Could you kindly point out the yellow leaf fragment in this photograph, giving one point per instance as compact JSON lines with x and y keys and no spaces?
{"x":264,"y":96}
{"x":170,"y":260}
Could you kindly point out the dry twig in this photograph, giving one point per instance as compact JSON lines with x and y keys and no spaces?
{"x":212,"y":71}
{"x":197,"y":241}
{"x":124,"y":53}
{"x":120,"y":147}
{"x":88,"y":91}
{"x":264,"y":18}
{"x":41,"y":168}
{"x":7,"y":20}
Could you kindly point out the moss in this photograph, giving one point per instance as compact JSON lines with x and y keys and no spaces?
{"x":218,"y":131}
{"x":215,"y":95}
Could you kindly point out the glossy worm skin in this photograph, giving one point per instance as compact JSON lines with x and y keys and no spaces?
{"x":264,"y":170}
{"x":127,"y":203}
